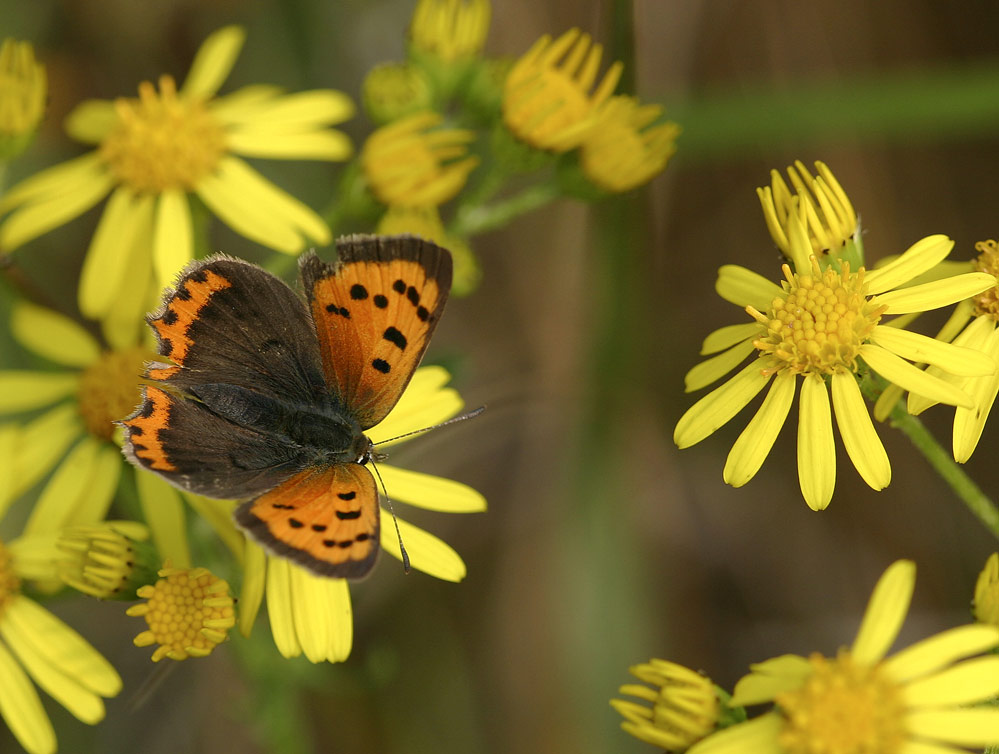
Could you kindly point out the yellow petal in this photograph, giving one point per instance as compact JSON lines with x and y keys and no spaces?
{"x":970,"y":423}
{"x":929,"y":296}
{"x":770,"y":678}
{"x":296,"y":113}
{"x":82,"y":703}
{"x":816,"y":449}
{"x":341,"y":619}
{"x":64,"y":647}
{"x":244,"y":104}
{"x":279,"y":607}
{"x":92,"y":506}
{"x":64,"y":491}
{"x":53,"y":336}
{"x":24,"y":390}
{"x":940,"y":650}
{"x":321,"y":145}
{"x":728,"y":336}
{"x":424,"y":403}
{"x":254,"y":578}
{"x":124,"y":325}
{"x":213,"y":62}
{"x":885,"y":613}
{"x":426,"y":552}
{"x":710,"y":370}
{"x":965,"y":727}
{"x":91,"y":121}
{"x":759,"y":736}
{"x":10,"y":436}
{"x":163,"y":511}
{"x":21,"y":708}
{"x":720,"y":405}
{"x":69,"y":177}
{"x":430,"y":492}
{"x":173,"y":237}
{"x":35,"y":557}
{"x":309,"y":613}
{"x":969,"y":682}
{"x":955,"y":359}
{"x":917,"y":259}
{"x":126,"y":218}
{"x":42,"y":443}
{"x":859,"y":436}
{"x":218,"y":515}
{"x":904,"y":374}
{"x":753,"y":445}
{"x":744,"y":287}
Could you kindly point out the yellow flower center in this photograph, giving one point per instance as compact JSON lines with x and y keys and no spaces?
{"x":10,"y":584}
{"x":188,"y":612}
{"x":987,"y":302}
{"x":162,"y":141}
{"x":820,"y":321}
{"x":109,"y":389}
{"x":843,"y":708}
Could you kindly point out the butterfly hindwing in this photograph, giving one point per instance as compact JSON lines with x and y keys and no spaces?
{"x":325,"y":519}
{"x":230,"y":322}
{"x":374,"y":312}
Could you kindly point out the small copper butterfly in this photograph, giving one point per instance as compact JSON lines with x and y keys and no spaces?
{"x":268,"y":397}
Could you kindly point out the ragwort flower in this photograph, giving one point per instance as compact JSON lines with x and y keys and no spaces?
{"x":449,"y":30}
{"x":547,"y":101}
{"x":826,"y":328}
{"x":312,"y":614}
{"x":37,"y":646}
{"x":914,"y":702}
{"x":155,"y":150}
{"x":22,"y":96}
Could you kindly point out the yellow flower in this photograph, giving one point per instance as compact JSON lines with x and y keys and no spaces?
{"x":426,"y":223}
{"x":916,"y":701}
{"x":311,"y":614}
{"x":154,"y":150}
{"x":821,"y":205}
{"x":394,"y":90}
{"x":684,"y":708}
{"x":411,"y":163}
{"x":189,"y":613}
{"x":987,"y":592}
{"x":546,"y":97}
{"x":620,"y":153}
{"x":22,"y":96}
{"x":96,"y":387}
{"x":36,"y":645}
{"x":109,"y":560}
{"x":450,"y":30}
{"x":974,"y":324}
{"x":826,"y":328}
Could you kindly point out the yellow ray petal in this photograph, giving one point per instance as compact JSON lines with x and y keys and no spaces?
{"x":713,"y":369}
{"x":10,"y":436}
{"x":753,"y":445}
{"x":309,"y":613}
{"x":770,"y":678}
{"x":173,"y":237}
{"x":341,"y":619}
{"x":64,"y":491}
{"x":242,"y":105}
{"x":430,"y":492}
{"x":966,"y":683}
{"x":859,"y":436}
{"x":728,"y":336}
{"x":744,"y":287}
{"x":163,"y":511}
{"x":955,"y":359}
{"x":939,"y":293}
{"x":21,"y":708}
{"x":279,"y":607}
{"x":914,"y":261}
{"x":24,"y":390}
{"x":68,"y":177}
{"x":816,"y":449}
{"x":332,"y":146}
{"x":91,"y":121}
{"x":427,"y":553}
{"x":213,"y":62}
{"x":435,"y":409}
{"x":897,"y":370}
{"x":940,"y":650}
{"x":254,"y":578}
{"x":53,"y":336}
{"x":966,"y":727}
{"x":95,"y":501}
{"x":885,"y":613}
{"x":42,"y":443}
{"x":295,"y":113}
{"x":218,"y":515}
{"x":759,"y":736}
{"x":719,"y":406}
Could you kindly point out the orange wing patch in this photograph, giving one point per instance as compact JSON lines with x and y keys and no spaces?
{"x":143,"y":428}
{"x":325,"y":519}
{"x":173,"y":323}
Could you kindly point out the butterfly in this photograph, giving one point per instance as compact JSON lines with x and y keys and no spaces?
{"x":268,"y":397}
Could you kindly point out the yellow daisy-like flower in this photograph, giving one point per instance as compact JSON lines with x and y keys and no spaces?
{"x":37,"y":646}
{"x":412,"y":163}
{"x":915,"y":702}
{"x":620,"y":152}
{"x":824,"y":208}
{"x":310,"y":614}
{"x":826,"y":328}
{"x":987,"y":592}
{"x":97,"y":387}
{"x":546,"y":98}
{"x":154,"y":150}
{"x":684,"y":708}
{"x":189,"y":613}
{"x":974,"y":324}
{"x":110,"y":560}
{"x":450,"y":30}
{"x":425,"y":222}
{"x":22,"y":96}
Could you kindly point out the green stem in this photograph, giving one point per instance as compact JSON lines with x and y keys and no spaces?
{"x":473,"y":220}
{"x":941,"y":460}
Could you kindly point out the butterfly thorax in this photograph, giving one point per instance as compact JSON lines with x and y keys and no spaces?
{"x":316,"y":434}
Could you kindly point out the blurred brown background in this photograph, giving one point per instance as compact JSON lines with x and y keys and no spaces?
{"x":604,"y":545}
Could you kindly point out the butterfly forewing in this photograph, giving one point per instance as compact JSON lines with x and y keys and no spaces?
{"x":374,"y":311}
{"x":325,"y":519}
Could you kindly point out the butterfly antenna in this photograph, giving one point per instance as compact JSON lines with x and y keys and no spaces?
{"x":453,"y":420}
{"x":388,"y":503}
